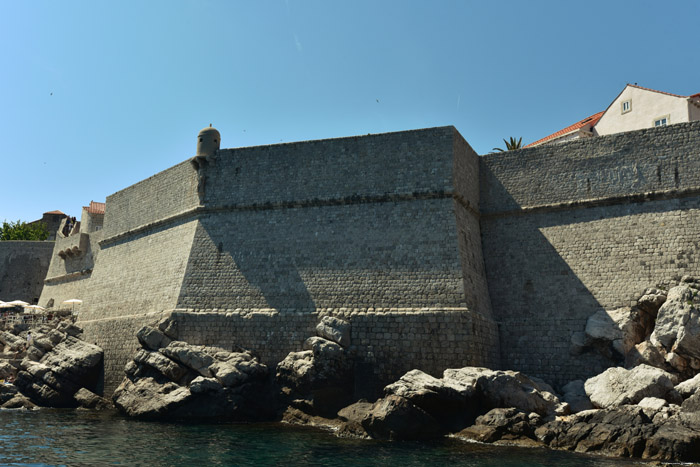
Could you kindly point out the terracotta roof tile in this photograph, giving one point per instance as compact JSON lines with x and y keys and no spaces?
{"x":592,"y":120}
{"x":96,"y":208}
{"x":55,"y":212}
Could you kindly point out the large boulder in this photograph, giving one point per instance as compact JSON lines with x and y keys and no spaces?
{"x":57,"y":365}
{"x":394,"y":418}
{"x":506,"y":425}
{"x":575,"y":396}
{"x":317,"y":380}
{"x":175,"y":380}
{"x":452,"y":404}
{"x":619,"y":329}
{"x":619,"y":386}
{"x":334,"y":329}
{"x":677,"y":326}
{"x":504,"y":389}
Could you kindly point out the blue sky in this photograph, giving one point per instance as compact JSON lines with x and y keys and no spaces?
{"x":97,"y":95}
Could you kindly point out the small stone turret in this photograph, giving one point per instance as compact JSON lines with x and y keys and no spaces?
{"x":208,"y":141}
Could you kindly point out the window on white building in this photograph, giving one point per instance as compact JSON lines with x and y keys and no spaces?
{"x":626,"y":106}
{"x":661,"y":121}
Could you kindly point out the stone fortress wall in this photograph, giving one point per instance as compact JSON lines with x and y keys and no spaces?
{"x":434,"y":254}
{"x":249,"y":247}
{"x":23,"y":265}
{"x":569,"y":229}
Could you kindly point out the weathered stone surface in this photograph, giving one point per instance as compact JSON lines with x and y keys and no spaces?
{"x":193,"y":357}
{"x":146,"y":398}
{"x":394,"y":417}
{"x":452,"y":404}
{"x":651,"y":301}
{"x":651,"y":405}
{"x":334,"y":329}
{"x":162,"y":364}
{"x":672,"y":316}
{"x":201,"y":385}
{"x":7,"y":392}
{"x":621,"y":328}
{"x":689,"y":387}
{"x":645,"y":353}
{"x":504,"y":389}
{"x":152,"y":338}
{"x":318,"y":380}
{"x":575,"y":396}
{"x":501,"y":424}
{"x":237,"y":368}
{"x":618,"y":386}
{"x":19,"y":401}
{"x":89,"y":400}
{"x":59,"y":373}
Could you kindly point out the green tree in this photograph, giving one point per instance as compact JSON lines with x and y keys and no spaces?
{"x":23,"y":231}
{"x":511,"y":145}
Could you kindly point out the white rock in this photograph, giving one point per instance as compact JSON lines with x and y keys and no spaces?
{"x":618,"y":386}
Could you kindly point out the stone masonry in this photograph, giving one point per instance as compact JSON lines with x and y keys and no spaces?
{"x":438,"y":257}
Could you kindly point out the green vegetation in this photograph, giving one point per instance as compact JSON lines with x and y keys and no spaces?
{"x":511,"y":145}
{"x":23,"y":231}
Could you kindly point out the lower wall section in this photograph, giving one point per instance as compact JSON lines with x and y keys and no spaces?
{"x":117,"y":337}
{"x":386,"y":342}
{"x":549,"y":271}
{"x":23,"y":266}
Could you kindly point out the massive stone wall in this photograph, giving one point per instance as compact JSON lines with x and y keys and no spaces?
{"x":384,"y":225}
{"x":569,"y":229}
{"x":23,"y":266}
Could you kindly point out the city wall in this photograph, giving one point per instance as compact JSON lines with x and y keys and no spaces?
{"x":569,"y":229}
{"x":252,"y":246}
{"x":23,"y":266}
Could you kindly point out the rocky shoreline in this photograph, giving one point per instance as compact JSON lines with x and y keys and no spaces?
{"x":646,"y":405}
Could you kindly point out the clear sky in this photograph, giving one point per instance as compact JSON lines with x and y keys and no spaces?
{"x":96,"y":95}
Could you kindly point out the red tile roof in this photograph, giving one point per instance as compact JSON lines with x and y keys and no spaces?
{"x":590,"y":121}
{"x":96,"y":208}
{"x":55,"y":212}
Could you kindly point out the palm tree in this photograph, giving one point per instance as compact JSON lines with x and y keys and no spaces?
{"x":511,"y":145}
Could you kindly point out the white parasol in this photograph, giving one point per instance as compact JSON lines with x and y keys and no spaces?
{"x":73,"y":301}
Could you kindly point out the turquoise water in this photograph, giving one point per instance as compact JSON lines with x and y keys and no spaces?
{"x":71,"y":437}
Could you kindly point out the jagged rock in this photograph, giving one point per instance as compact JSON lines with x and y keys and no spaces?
{"x":233,"y":368}
{"x":645,"y":353}
{"x":453,"y":405}
{"x":652,"y":405}
{"x":19,"y":401}
{"x":575,"y":396}
{"x":504,"y":389}
{"x":651,"y":301}
{"x":394,"y":418}
{"x":621,"y":328}
{"x":502,"y":425}
{"x":689,"y":387}
{"x":202,"y":385}
{"x":578,"y":343}
{"x":672,"y":316}
{"x":676,"y":361}
{"x":89,"y":400}
{"x":70,"y":365}
{"x":169,"y":327}
{"x":15,"y":343}
{"x":318,"y":380}
{"x":7,"y":370}
{"x":151,"y":338}
{"x":183,"y":381}
{"x":618,"y":386}
{"x":193,"y":357}
{"x":147,"y":398}
{"x":70,"y":329}
{"x":334,"y":329}
{"x":619,"y":432}
{"x":7,"y":392}
{"x":162,"y":364}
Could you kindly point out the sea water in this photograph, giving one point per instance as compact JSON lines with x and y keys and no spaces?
{"x":76,"y":437}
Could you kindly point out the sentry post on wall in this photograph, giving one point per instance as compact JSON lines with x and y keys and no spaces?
{"x":208,"y":142}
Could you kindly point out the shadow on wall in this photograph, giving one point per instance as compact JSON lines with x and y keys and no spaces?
{"x":536,"y":297}
{"x":229,"y":270}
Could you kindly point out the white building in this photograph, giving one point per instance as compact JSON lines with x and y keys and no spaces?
{"x":635,"y":108}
